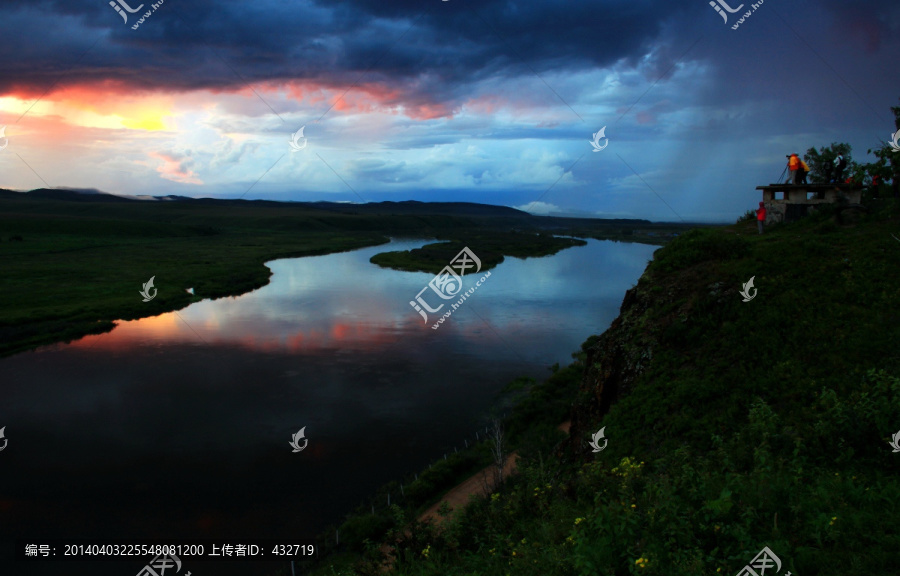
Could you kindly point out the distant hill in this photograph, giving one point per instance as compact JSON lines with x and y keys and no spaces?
{"x":405,"y":208}
{"x":69,"y":195}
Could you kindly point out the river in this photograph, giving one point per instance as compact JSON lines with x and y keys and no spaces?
{"x":179,"y":425}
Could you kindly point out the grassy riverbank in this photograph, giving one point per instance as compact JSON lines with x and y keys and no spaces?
{"x":75,"y":263}
{"x":732,"y":425}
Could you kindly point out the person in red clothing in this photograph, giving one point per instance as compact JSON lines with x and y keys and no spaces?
{"x":761,"y":216}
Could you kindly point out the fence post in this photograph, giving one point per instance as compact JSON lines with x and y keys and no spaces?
{"x":467,"y":442}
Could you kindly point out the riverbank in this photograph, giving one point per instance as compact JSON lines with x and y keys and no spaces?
{"x":73,"y":264}
{"x":734,"y":423}
{"x":475,"y":485}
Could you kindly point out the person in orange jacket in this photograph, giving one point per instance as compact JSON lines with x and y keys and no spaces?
{"x":794,"y":167}
{"x":804,"y":172}
{"x":761,"y":216}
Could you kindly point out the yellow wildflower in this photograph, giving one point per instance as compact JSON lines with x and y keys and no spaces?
{"x":578,"y":521}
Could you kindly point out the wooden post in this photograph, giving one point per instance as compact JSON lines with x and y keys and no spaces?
{"x":467,"y":442}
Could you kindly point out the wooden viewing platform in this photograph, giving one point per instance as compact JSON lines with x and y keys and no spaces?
{"x":798,"y":199}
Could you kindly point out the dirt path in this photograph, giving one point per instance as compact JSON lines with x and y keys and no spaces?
{"x":458,"y":497}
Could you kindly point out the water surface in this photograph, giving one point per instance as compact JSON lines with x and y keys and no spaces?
{"x":179,"y":425}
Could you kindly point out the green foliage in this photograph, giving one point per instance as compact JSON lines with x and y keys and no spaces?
{"x":887,"y":163}
{"x":699,"y":245}
{"x":445,"y":474}
{"x":363,"y":528}
{"x":489,"y":246}
{"x":749,"y":216}
{"x":767,"y":484}
{"x":821,"y":161}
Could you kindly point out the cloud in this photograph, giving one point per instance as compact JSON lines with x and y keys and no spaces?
{"x":539,"y":208}
{"x":176,"y":167}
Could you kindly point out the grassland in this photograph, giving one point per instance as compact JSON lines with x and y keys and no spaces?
{"x":743,"y":425}
{"x":73,"y":264}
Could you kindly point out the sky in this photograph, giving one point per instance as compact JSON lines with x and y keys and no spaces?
{"x":496,"y":102}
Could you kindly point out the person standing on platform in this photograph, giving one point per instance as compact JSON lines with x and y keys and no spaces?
{"x":804,"y":172}
{"x":761,"y":216}
{"x":794,"y":167}
{"x":839,"y":164}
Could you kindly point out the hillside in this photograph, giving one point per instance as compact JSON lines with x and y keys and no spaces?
{"x":731,"y":425}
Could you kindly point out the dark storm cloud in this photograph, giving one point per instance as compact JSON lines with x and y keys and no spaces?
{"x":432,"y":49}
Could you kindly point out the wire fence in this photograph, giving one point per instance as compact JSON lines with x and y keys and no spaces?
{"x":395,"y":493}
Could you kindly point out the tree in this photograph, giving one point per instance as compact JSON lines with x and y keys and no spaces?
{"x":498,"y":449}
{"x":887,"y":165}
{"x":821,"y":161}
